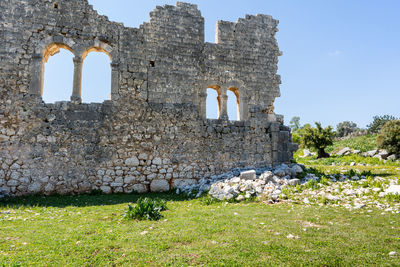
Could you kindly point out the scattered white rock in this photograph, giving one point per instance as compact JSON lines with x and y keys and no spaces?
{"x":393,"y":189}
{"x":144,"y":233}
{"x":248,"y":175}
{"x":290,"y":236}
{"x":344,"y":151}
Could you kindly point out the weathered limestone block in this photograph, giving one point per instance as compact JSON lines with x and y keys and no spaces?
{"x":106,"y":189}
{"x":180,"y":183}
{"x":159,"y":186}
{"x":132,"y":162}
{"x":35,"y":188}
{"x":129,"y":180}
{"x":248,"y":175}
{"x":140,"y":188}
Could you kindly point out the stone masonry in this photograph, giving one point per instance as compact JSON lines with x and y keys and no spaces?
{"x":153,"y":134}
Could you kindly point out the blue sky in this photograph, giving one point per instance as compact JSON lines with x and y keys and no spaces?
{"x":341,"y":59}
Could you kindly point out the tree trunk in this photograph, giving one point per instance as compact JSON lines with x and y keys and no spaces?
{"x":322,"y":153}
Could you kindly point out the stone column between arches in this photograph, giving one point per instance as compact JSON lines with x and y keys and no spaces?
{"x":37,"y":75}
{"x":77,"y":84}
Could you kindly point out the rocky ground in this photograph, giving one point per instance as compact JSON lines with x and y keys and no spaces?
{"x":295,"y":183}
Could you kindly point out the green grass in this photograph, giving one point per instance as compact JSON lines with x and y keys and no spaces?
{"x":90,"y":230}
{"x":363,"y":143}
{"x":344,"y":160}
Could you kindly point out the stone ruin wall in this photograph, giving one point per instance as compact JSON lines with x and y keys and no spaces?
{"x":152,"y":135}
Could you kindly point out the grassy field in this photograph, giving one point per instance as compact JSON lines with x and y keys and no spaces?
{"x":89,"y":230}
{"x":363,"y":143}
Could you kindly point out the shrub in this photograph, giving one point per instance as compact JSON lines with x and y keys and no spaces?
{"x":146,"y":209}
{"x":378,"y":122}
{"x":297,"y":136}
{"x":389,"y":138}
{"x":346,"y":128}
{"x":318,"y":138}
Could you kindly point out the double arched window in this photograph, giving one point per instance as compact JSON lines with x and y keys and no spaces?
{"x":61,"y":73}
{"x":226,"y":101}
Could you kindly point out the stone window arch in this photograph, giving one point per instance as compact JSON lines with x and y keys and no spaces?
{"x":39,"y":61}
{"x":236,"y":87}
{"x":239,"y":91}
{"x":78,"y":62}
{"x":212,"y":104}
{"x":43,"y":52}
{"x":233,"y":104}
{"x":94,"y":77}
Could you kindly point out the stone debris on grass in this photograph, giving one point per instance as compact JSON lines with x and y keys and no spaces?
{"x":144,"y":233}
{"x":354,"y":192}
{"x":381,"y":154}
{"x":290,"y":236}
{"x":393,"y":254}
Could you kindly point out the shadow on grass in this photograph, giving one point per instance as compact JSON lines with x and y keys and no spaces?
{"x":83,"y":200}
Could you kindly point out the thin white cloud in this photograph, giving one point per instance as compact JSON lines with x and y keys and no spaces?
{"x":335,"y":53}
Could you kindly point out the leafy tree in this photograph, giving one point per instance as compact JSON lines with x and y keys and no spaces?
{"x":378,"y":122}
{"x":346,"y":128}
{"x":318,"y":138}
{"x":389,"y":137}
{"x":297,"y":136}
{"x":295,"y":123}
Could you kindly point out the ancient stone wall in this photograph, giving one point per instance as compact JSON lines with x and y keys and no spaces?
{"x":153,"y":133}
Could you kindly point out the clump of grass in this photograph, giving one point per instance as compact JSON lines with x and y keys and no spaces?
{"x":208,"y":200}
{"x":312,"y":184}
{"x":146,"y":209}
{"x":324,"y":180}
{"x":393,"y":198}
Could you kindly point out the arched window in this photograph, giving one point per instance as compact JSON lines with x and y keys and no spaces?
{"x":96,"y":76}
{"x":58,"y":73}
{"x":233,"y":104}
{"x":213,"y":102}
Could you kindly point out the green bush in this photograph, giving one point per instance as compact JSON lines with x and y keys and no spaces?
{"x":318,"y":138}
{"x":146,"y":209}
{"x":378,"y":122}
{"x":389,"y":138}
{"x":297,"y":135}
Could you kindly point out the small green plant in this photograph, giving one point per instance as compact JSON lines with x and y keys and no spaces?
{"x":393,"y":198}
{"x":208,"y":200}
{"x":389,"y":138}
{"x":95,"y":192}
{"x":324,"y":201}
{"x":324,"y":180}
{"x":146,"y":209}
{"x":312,"y":184}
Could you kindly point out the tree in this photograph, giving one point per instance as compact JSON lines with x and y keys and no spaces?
{"x":346,"y":128}
{"x":389,"y":137}
{"x":297,"y":136}
{"x":378,"y":122}
{"x":318,"y":138}
{"x":295,"y":123}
